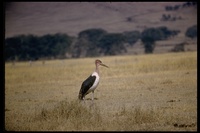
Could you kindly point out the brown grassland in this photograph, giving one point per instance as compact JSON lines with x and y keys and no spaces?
{"x":155,"y":92}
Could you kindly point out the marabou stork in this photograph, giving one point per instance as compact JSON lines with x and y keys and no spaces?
{"x":91,"y":83}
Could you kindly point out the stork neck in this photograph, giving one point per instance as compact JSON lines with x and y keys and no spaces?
{"x":97,"y":69}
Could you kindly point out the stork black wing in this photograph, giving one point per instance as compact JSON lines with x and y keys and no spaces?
{"x":87,"y":84}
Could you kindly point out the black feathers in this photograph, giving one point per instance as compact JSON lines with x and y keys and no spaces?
{"x":86,"y":86}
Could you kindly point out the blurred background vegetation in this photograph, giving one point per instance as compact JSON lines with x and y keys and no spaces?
{"x":90,"y":43}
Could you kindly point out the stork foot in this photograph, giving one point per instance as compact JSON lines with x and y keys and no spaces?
{"x":91,"y":99}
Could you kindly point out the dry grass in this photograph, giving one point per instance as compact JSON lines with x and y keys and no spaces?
{"x":137,"y":93}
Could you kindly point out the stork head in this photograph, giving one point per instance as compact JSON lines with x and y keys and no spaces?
{"x":98,"y":62}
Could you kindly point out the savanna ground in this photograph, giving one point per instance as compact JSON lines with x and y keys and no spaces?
{"x":155,"y":92}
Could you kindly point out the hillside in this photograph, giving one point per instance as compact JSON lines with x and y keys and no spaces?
{"x":72,"y":17}
{"x":40,"y":18}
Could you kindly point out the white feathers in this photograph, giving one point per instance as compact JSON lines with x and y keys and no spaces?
{"x":96,"y":82}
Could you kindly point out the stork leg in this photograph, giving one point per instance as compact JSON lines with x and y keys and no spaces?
{"x":84,"y":99}
{"x":92,"y":97}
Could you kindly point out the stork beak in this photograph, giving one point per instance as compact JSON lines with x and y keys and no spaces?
{"x":104,"y":65}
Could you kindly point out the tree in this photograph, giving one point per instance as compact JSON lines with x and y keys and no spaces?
{"x":86,"y":45}
{"x":148,"y":37}
{"x":21,"y":47}
{"x":12,"y":46}
{"x":63,"y":43}
{"x":31,"y":47}
{"x":112,"y":44}
{"x":131,"y":37}
{"x":92,"y":35}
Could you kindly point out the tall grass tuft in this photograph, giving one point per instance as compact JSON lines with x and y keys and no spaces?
{"x":69,"y":116}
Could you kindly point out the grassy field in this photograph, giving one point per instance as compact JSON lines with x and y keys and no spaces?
{"x":155,"y":92}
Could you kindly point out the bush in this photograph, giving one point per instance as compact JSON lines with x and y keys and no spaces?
{"x":191,"y":32}
{"x":179,"y":48}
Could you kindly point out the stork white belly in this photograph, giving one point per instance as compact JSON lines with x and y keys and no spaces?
{"x":96,"y":82}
